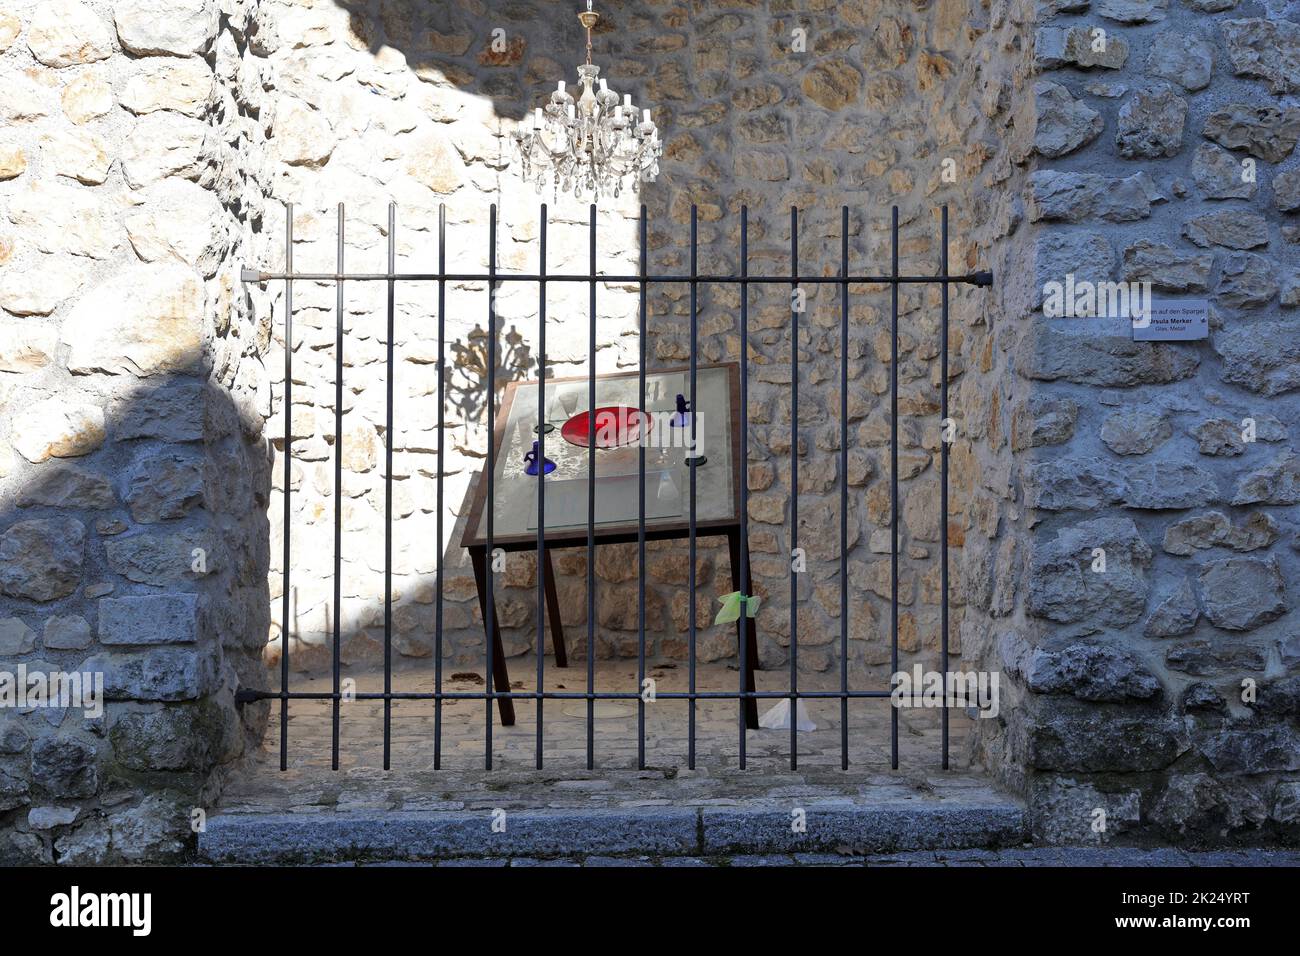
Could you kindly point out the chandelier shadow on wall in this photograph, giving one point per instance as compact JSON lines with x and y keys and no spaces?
{"x":592,"y":145}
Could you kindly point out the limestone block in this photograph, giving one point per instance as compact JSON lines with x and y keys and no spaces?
{"x":25,"y":345}
{"x":164,"y":559}
{"x":1095,"y":670}
{"x":77,"y":154}
{"x":1277,"y":483}
{"x":10,"y":27}
{"x":1220,"y":175}
{"x":1168,"y":268}
{"x":1266,"y":132}
{"x":1182,"y":59}
{"x":1286,"y":190}
{"x":65,"y":485}
{"x":1268,"y":49}
{"x":86,"y":98}
{"x":1230,"y":228}
{"x":42,"y":559}
{"x":1082,"y":738}
{"x":143,"y":320}
{"x":163,"y":144}
{"x":1169,"y":485}
{"x":1214,"y":530}
{"x":1076,"y":197}
{"x":1079,"y":46}
{"x":1133,"y":11}
{"x":1239,"y":594}
{"x":183,"y":86}
{"x":1063,"y":586}
{"x":67,"y":33}
{"x":161,"y":673}
{"x":66,"y":633}
{"x":186,"y":738}
{"x":15,"y":637}
{"x":57,"y":427}
{"x":156,"y":829}
{"x":1063,"y":123}
{"x":13,"y":161}
{"x":1175,"y":615}
{"x":143,"y":619}
{"x":832,"y":83}
{"x":1135,"y":431}
{"x":45,"y":283}
{"x":301,"y":135}
{"x":1112,"y":361}
{"x":180,"y":221}
{"x":165,"y":486}
{"x":24,"y":101}
{"x":58,"y":218}
{"x":65,"y":766}
{"x":1151,"y":123}
{"x":170,"y":27}
{"x":1246,"y":281}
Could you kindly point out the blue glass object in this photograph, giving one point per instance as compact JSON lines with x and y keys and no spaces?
{"x":682,"y":417}
{"x":531,"y":458}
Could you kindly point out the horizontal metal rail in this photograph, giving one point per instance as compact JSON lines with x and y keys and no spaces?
{"x":252,"y":275}
{"x":244,"y":696}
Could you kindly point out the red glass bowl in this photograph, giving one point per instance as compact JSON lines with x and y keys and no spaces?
{"x":615,"y":425}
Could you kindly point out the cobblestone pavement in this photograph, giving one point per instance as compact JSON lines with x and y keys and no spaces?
{"x":1036,"y":856}
{"x":514,"y":782}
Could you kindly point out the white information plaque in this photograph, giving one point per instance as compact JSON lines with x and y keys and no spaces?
{"x":1173,"y":320}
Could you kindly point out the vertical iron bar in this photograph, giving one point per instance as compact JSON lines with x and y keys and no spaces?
{"x":794,"y":489}
{"x":943,"y":479}
{"x":437,"y":587}
{"x":591,"y":499}
{"x":690,"y":561}
{"x":742,"y":628}
{"x":893,"y":483}
{"x":338,"y":491}
{"x":288,"y":481}
{"x":541,"y":485}
{"x":844,"y":487}
{"x":388,"y":492}
{"x":640,"y":529}
{"x":489,"y":610}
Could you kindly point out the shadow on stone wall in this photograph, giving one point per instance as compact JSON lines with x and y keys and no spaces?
{"x":129,"y":549}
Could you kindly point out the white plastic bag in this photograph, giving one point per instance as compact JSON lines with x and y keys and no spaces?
{"x":778,"y":717}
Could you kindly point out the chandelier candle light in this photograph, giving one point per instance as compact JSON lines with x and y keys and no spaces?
{"x":593,"y":144}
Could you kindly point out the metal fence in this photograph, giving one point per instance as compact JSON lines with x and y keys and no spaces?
{"x":497,"y":691}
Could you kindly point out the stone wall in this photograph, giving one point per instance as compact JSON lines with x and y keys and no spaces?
{"x":133,"y":479}
{"x":1161,"y":690}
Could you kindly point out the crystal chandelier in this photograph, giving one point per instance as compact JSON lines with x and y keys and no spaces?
{"x":592,"y":144}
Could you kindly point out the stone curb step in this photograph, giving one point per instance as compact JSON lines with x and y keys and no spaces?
{"x":687,"y":831}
